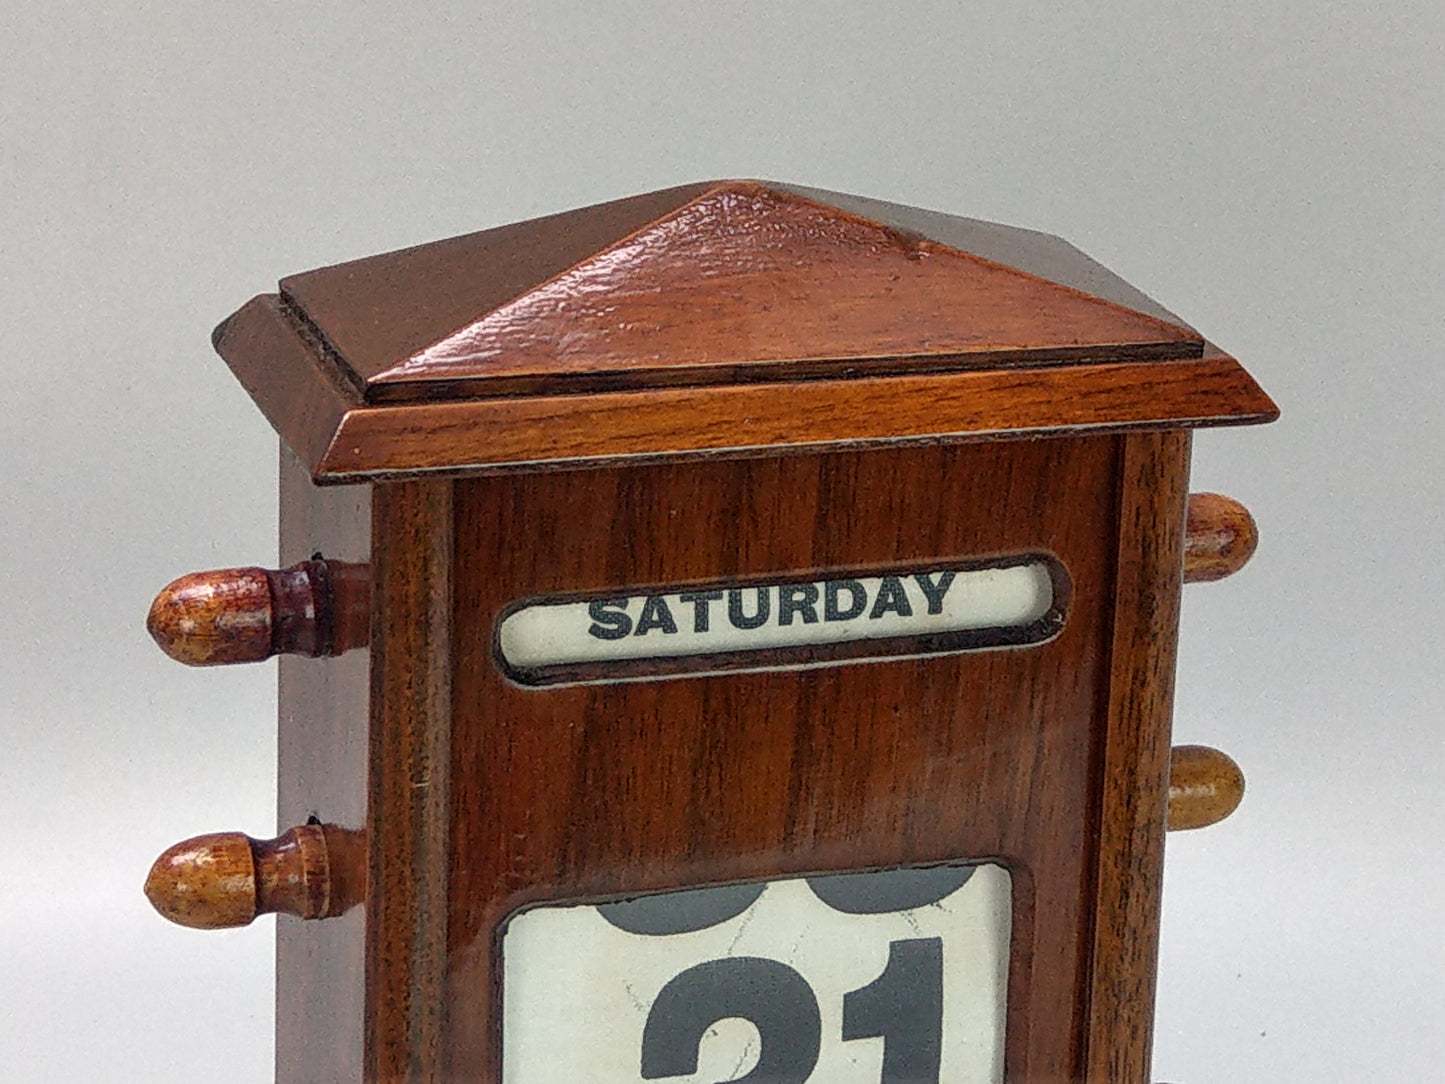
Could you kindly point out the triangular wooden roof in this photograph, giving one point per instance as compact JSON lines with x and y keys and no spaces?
{"x":728,"y":284}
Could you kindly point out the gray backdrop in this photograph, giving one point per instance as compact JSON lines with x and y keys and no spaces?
{"x":1270,"y":172}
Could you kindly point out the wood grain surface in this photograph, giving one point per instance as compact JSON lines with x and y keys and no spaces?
{"x":323,"y":764}
{"x":226,"y":879}
{"x":214,"y":618}
{"x":486,"y":796}
{"x":581,"y":793}
{"x":1205,"y":786}
{"x":1134,"y":780}
{"x":427,"y":292}
{"x":725,"y":281}
{"x":734,"y":318}
{"x":761,"y":419}
{"x":1220,"y":537}
{"x":240,"y":615}
{"x":413,"y":565}
{"x":760,"y":385}
{"x":297,"y":384}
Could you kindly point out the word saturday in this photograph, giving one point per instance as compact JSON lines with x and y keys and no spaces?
{"x":750,"y":608}
{"x":698,"y":621}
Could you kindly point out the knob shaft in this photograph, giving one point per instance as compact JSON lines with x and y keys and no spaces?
{"x":1220,"y":537}
{"x":1205,"y":786}
{"x":225,"y":880}
{"x":232,"y":615}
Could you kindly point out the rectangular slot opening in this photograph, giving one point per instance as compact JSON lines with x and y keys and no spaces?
{"x":783,"y":623}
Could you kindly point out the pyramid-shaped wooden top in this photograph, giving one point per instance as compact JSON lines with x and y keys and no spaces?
{"x":712,"y":283}
{"x":688,"y":293}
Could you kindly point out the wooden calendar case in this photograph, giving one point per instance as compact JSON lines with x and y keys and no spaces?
{"x":733,"y":603}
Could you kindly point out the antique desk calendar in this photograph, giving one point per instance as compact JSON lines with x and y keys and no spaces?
{"x":726,"y":634}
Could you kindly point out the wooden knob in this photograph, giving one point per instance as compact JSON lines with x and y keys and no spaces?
{"x":233,"y":615}
{"x":225,"y":880}
{"x":1205,"y":786}
{"x":1220,"y":537}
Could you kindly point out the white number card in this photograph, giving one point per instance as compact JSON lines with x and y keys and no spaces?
{"x":892,"y":977}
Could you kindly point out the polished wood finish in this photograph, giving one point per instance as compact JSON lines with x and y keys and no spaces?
{"x":761,"y":382}
{"x":235,"y":615}
{"x":227,"y":879}
{"x":344,"y":440}
{"x":434,"y":292}
{"x":766,"y":419}
{"x":211,"y":618}
{"x":791,"y":288}
{"x":1205,"y":786}
{"x":1220,"y":538}
{"x":734,"y":317}
{"x":484,"y":796}
{"x":732,"y":777}
{"x":323,"y":763}
{"x":410,"y":801}
{"x":523,"y":785}
{"x":1154,"y":472}
{"x":299,"y":389}
{"x":428,"y":291}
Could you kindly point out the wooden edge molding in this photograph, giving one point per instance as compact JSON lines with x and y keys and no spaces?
{"x":227,"y":879}
{"x":1220,"y":537}
{"x":1154,"y":470}
{"x":392,"y":441}
{"x":1205,"y":786}
{"x":300,"y":395}
{"x":342,"y":439}
{"x":234,"y":615}
{"x":409,"y":781}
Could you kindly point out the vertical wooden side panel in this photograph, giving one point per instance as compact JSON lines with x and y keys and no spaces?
{"x":1135,"y":784}
{"x":322,"y":725}
{"x":410,"y":780}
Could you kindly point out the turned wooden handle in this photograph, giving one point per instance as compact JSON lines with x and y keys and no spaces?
{"x":1220,"y":537}
{"x":231,"y":615}
{"x":1205,"y":786}
{"x":221,"y":881}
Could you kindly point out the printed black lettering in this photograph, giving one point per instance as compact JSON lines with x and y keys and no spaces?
{"x":904,"y":1005}
{"x":655,"y":615}
{"x":934,"y":592}
{"x":608,"y":623}
{"x":857,"y":595}
{"x":735,"y":610}
{"x":892,"y":598}
{"x":771,"y":996}
{"x":700,"y":600}
{"x":798,"y":598}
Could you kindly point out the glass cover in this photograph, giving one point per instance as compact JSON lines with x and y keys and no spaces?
{"x":887,"y":977}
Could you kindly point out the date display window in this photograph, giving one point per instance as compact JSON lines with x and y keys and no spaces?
{"x":887,"y":977}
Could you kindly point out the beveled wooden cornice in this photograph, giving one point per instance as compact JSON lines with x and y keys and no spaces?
{"x":725,"y":318}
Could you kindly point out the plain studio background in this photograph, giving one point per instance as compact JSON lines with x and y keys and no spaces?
{"x":1273,"y":173}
